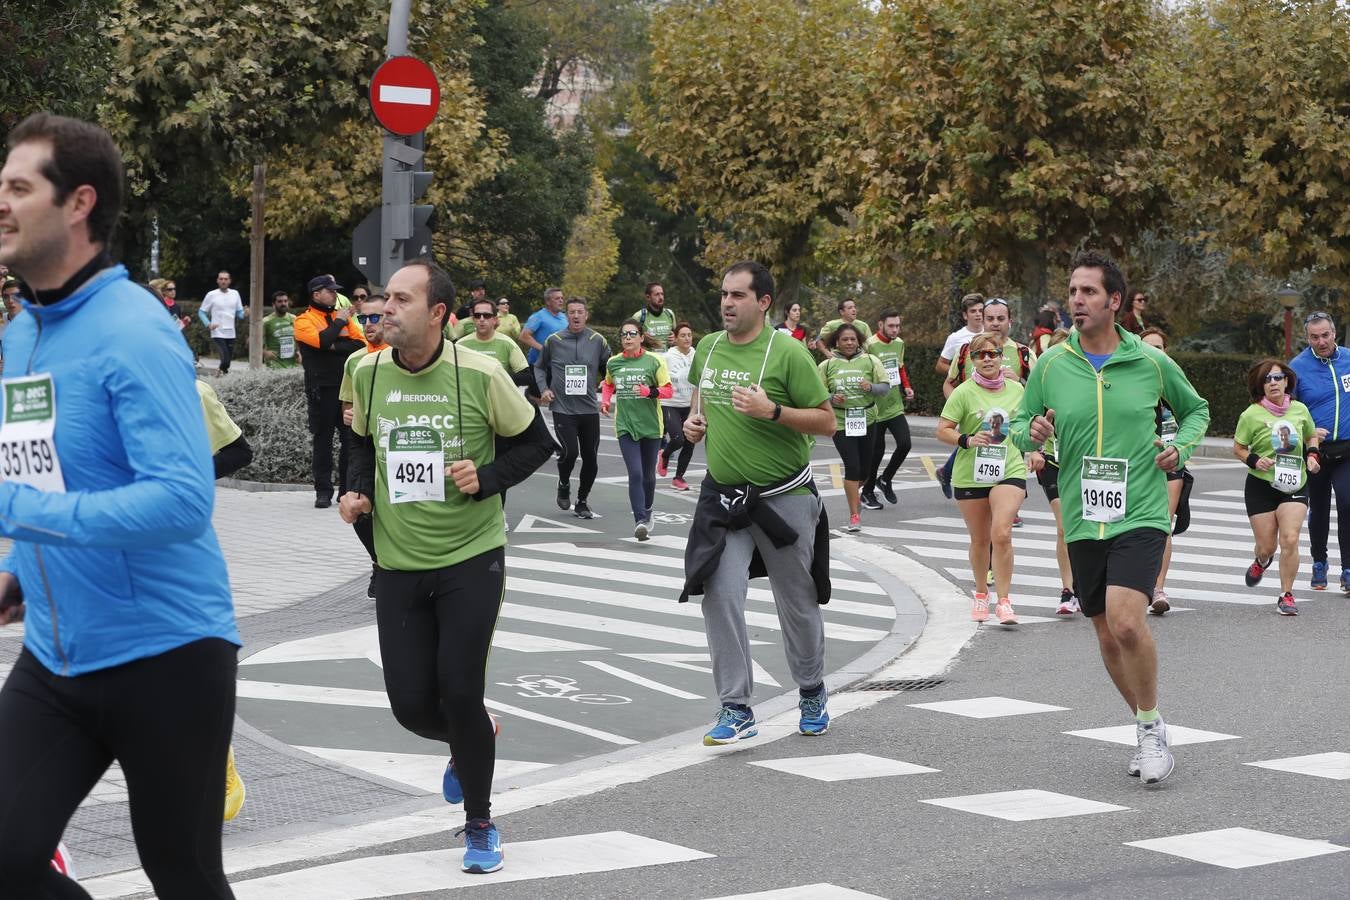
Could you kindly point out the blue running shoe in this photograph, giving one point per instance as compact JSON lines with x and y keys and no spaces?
{"x":1345,"y":580}
{"x":732,"y":725}
{"x":450,"y":787}
{"x":1319,"y":576}
{"x":482,"y":847}
{"x":945,"y":482}
{"x":815,"y":720}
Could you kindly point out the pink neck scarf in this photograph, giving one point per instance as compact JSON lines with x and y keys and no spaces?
{"x":992,"y":384}
{"x":1277,"y":410}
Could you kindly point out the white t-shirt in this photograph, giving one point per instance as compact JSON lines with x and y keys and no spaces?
{"x":955,"y":341}
{"x":677,"y":365}
{"x":223,"y":307}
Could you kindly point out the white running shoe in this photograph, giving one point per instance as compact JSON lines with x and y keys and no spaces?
{"x":1155,"y":758}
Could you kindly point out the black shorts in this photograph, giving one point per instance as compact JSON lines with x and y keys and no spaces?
{"x":1263,"y":497}
{"x":1049,"y":479}
{"x":982,"y":493}
{"x":1131,"y":559}
{"x":1178,"y":475}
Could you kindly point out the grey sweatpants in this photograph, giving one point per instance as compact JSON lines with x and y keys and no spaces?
{"x":794,"y":594}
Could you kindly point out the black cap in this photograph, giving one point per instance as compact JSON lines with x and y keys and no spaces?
{"x":477,"y":285}
{"x":323,"y":282}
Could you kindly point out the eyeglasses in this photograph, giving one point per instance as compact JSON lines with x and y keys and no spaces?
{"x":484,"y":315}
{"x":170,"y":290}
{"x":987,"y":354}
{"x":359,"y":297}
{"x":629,"y":333}
{"x":369,"y":318}
{"x":1274,"y":376}
{"x":1315,"y":317}
{"x":996,"y":301}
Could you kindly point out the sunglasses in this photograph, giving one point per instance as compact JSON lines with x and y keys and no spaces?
{"x":988,"y":354}
{"x":484,"y":315}
{"x":359,"y":296}
{"x":170,"y":290}
{"x":1274,"y":376}
{"x":1316,"y":317}
{"x":369,"y":318}
{"x":996,"y":301}
{"x":629,"y":333}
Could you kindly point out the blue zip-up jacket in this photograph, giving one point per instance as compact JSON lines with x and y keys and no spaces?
{"x":125,"y":564}
{"x":1324,"y":387}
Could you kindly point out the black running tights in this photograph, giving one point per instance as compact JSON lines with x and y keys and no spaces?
{"x":167,"y":719}
{"x":435,"y":633}
{"x":899,"y":429}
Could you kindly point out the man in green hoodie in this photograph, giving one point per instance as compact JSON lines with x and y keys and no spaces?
{"x":1113,"y":481}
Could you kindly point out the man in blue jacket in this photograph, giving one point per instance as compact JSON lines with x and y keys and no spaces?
{"x":106,"y":489}
{"x":1323,"y":371}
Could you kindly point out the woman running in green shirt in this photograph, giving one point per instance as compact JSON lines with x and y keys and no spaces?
{"x":989,"y":479}
{"x":638,"y":381}
{"x":1278,"y":441}
{"x":855,"y":379}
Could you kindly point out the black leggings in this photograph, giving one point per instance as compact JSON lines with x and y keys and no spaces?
{"x":435,"y":633}
{"x":225,"y":347}
{"x":675,"y":416}
{"x":856,"y":452}
{"x":639,"y":457}
{"x":579,"y":435}
{"x":167,"y":719}
{"x":899,"y":429}
{"x":1334,"y":477}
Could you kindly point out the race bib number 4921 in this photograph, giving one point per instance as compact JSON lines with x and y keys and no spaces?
{"x":415,"y":464}
{"x":27,"y":444}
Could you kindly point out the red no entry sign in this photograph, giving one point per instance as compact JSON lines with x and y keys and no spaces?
{"x":404,"y":95}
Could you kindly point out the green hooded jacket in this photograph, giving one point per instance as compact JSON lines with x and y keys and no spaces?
{"x":1111,"y":414}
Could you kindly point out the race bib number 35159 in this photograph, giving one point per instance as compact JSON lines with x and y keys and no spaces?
{"x":27,"y":446}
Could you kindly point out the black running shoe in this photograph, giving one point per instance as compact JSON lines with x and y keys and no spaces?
{"x":888,"y":492}
{"x":869,"y":500}
{"x":564,"y":495}
{"x":583,"y":510}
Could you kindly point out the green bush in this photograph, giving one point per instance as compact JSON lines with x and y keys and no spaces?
{"x":269,"y":405}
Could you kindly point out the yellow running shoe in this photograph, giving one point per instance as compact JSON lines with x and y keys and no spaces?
{"x":234,"y":788}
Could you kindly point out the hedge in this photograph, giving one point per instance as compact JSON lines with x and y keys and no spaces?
{"x":269,"y":405}
{"x":1221,"y":378}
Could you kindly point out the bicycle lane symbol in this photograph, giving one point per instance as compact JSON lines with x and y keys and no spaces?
{"x":560,"y":687}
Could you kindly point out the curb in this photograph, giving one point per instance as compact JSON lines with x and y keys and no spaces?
{"x":261,"y":486}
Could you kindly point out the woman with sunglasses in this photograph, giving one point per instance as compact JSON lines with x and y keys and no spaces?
{"x":855,"y":379}
{"x":990,"y":476}
{"x":636,"y":381}
{"x":1133,"y":319}
{"x":1278,"y":441}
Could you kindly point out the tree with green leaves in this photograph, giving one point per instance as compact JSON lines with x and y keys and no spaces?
{"x":1006,"y":133}
{"x":1256,"y":120}
{"x":745,"y":104}
{"x":54,"y":58}
{"x":592,"y":255}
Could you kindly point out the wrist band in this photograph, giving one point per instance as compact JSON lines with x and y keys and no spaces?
{"x":1252,"y":458}
{"x":963,"y":441}
{"x":1313,"y":451}
{"x":777,"y":411}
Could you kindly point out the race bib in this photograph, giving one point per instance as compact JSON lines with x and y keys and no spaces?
{"x":1168,"y":432}
{"x":285,"y":346}
{"x":990,"y":463}
{"x":27,"y":447}
{"x":892,"y":373}
{"x":1103,"y":488}
{"x":1288,"y":474}
{"x":855,"y":422}
{"x":414,"y":465}
{"x":574,"y":381}
{"x":1345,"y":383}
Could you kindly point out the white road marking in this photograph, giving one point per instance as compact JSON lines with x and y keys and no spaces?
{"x":639,"y":680}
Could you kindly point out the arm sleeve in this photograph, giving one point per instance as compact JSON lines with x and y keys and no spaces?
{"x":880,"y":383}
{"x":607,"y":391}
{"x":543,"y":367}
{"x":238,"y":307}
{"x":666,"y":391}
{"x":520,"y":455}
{"x":361,"y":459}
{"x":204,"y":313}
{"x":171,"y":493}
{"x":904,"y":378}
{"x":1190,"y":409}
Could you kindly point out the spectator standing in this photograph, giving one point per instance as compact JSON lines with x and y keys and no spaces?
{"x":279,"y":333}
{"x":792,"y":324}
{"x":1043,"y":329}
{"x":654,"y":318}
{"x":1133,"y":319}
{"x":328,"y":338}
{"x":568,"y":375}
{"x":972,"y":313}
{"x":219,"y":311}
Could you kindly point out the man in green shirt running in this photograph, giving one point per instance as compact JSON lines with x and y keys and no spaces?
{"x":485,"y":339}
{"x":848,"y":312}
{"x":427,"y":415}
{"x":279,"y":334}
{"x":760,"y":403}
{"x":654,"y":318}
{"x":1113,"y":481}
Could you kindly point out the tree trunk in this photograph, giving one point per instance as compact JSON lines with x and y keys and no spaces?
{"x":1034,"y":265}
{"x":255,"y":285}
{"x":795,"y":255}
